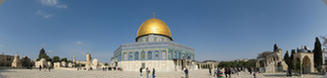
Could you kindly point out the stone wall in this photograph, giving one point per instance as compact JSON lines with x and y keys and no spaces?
{"x":159,"y":65}
{"x":6,"y":60}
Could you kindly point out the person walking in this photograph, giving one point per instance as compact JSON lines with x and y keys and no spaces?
{"x":141,"y":74}
{"x":153,"y":73}
{"x":250,"y":70}
{"x":230,"y":72}
{"x":147,"y":72}
{"x":186,"y":72}
{"x":49,"y":66}
{"x":226,"y":72}
{"x":40,"y":68}
{"x":219,"y":73}
{"x":209,"y":71}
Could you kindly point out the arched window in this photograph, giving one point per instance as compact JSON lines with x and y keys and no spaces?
{"x":170,"y":54}
{"x":157,"y":55}
{"x":142,"y":55}
{"x":146,"y":39}
{"x":175,"y":54}
{"x":136,"y":55}
{"x":130,"y":56}
{"x":155,"y":39}
{"x":163,"y":54}
{"x":149,"y":55}
{"x":179,"y":54}
{"x":125,"y":56}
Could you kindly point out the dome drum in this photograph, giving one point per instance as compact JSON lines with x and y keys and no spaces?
{"x":153,"y":38}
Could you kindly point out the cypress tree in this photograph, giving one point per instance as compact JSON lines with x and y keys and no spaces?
{"x":287,"y":59}
{"x":43,"y":55}
{"x":291,"y":60}
{"x":317,"y":53}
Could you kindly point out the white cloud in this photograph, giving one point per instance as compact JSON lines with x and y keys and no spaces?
{"x":62,"y":6}
{"x":44,"y":14}
{"x":79,"y":43}
{"x":49,"y":2}
{"x":53,"y":3}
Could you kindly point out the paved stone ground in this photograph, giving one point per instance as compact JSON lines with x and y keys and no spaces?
{"x":26,"y":73}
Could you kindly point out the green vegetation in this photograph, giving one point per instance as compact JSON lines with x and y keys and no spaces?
{"x":317,"y":52}
{"x":250,"y":63}
{"x":56,"y":59}
{"x":43,"y":55}
{"x":27,"y":62}
{"x":287,"y":59}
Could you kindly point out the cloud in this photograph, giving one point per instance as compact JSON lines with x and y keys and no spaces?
{"x":49,"y":2}
{"x":44,"y":14}
{"x":79,"y":43}
{"x":62,"y":6}
{"x":53,"y":3}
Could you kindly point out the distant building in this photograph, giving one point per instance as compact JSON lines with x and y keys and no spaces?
{"x":324,"y":56}
{"x":6,"y":60}
{"x":271,"y":61}
{"x":305,"y":57}
{"x":207,"y":64}
{"x":89,"y":64}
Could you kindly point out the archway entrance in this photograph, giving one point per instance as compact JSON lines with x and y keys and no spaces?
{"x":306,"y":65}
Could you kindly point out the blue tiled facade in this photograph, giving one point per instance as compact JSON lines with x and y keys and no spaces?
{"x":152,"y":51}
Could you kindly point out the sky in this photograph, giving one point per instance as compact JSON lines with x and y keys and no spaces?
{"x":216,"y":29}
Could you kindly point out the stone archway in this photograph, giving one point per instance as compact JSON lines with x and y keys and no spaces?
{"x":306,"y":65}
{"x":306,"y":62}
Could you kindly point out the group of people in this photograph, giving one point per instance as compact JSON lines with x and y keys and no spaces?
{"x":147,"y":72}
{"x":227,"y":71}
{"x":111,"y":69}
{"x":46,"y":68}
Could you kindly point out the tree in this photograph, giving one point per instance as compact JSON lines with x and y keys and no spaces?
{"x":26,"y":62}
{"x":297,"y":65}
{"x":287,"y":59}
{"x":106,"y":64}
{"x":43,"y":55}
{"x":56,"y":59}
{"x":64,"y":59}
{"x":317,"y":53}
{"x":292,"y":59}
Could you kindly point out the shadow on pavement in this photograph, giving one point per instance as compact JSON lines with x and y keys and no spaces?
{"x":275,"y":75}
{"x":279,"y":75}
{"x":4,"y":69}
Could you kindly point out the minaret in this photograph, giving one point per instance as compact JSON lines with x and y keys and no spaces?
{"x":88,"y":61}
{"x":15,"y":63}
{"x":74,"y":59}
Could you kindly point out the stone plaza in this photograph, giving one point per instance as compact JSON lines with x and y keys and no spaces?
{"x":59,"y":73}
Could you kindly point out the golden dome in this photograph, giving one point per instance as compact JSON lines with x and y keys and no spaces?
{"x":153,"y":26}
